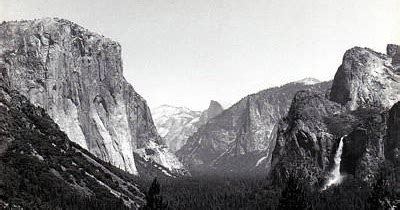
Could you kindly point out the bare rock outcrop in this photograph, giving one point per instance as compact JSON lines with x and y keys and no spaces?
{"x":366,"y":79}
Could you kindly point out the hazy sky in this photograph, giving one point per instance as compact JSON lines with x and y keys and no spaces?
{"x":187,"y":52}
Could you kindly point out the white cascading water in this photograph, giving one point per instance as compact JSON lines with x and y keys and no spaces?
{"x":335,"y":177}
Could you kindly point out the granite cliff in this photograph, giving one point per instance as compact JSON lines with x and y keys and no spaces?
{"x":77,"y":77}
{"x":40,"y":168}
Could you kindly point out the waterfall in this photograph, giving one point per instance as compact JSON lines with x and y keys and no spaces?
{"x":335,"y":177}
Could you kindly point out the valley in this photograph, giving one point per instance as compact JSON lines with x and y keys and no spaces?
{"x":75,"y":134}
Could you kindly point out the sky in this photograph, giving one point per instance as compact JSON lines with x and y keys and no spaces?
{"x":188,"y":52}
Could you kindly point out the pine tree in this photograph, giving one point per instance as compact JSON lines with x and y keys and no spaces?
{"x":380,"y":197}
{"x":294,"y":195}
{"x":153,"y":198}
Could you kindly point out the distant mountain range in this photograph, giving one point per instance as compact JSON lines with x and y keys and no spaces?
{"x":176,"y":124}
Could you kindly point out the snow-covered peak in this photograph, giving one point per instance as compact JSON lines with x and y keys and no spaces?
{"x":308,"y":81}
{"x":175,"y":124}
{"x":168,"y":110}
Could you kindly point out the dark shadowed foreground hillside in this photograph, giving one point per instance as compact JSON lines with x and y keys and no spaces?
{"x":40,"y":168}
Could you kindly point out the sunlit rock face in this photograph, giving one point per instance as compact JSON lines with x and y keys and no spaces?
{"x":393,"y":51}
{"x":76,"y":75}
{"x":242,"y":137}
{"x":36,"y":154}
{"x":367,"y":79}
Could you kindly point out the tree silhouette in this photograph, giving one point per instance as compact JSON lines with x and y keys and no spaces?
{"x":153,"y":198}
{"x":381,"y":197}
{"x":294,"y":195}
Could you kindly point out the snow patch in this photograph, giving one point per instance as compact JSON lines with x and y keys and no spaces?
{"x":308,"y":81}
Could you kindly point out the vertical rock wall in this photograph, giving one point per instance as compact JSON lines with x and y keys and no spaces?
{"x":76,"y":75}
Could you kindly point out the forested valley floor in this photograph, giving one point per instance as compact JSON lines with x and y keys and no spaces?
{"x":218,"y":192}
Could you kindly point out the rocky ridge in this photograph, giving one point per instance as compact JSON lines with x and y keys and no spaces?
{"x":242,"y":137}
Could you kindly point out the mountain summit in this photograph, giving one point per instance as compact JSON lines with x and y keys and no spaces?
{"x":176,"y":124}
{"x":214,"y":109}
{"x":367,"y":78}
